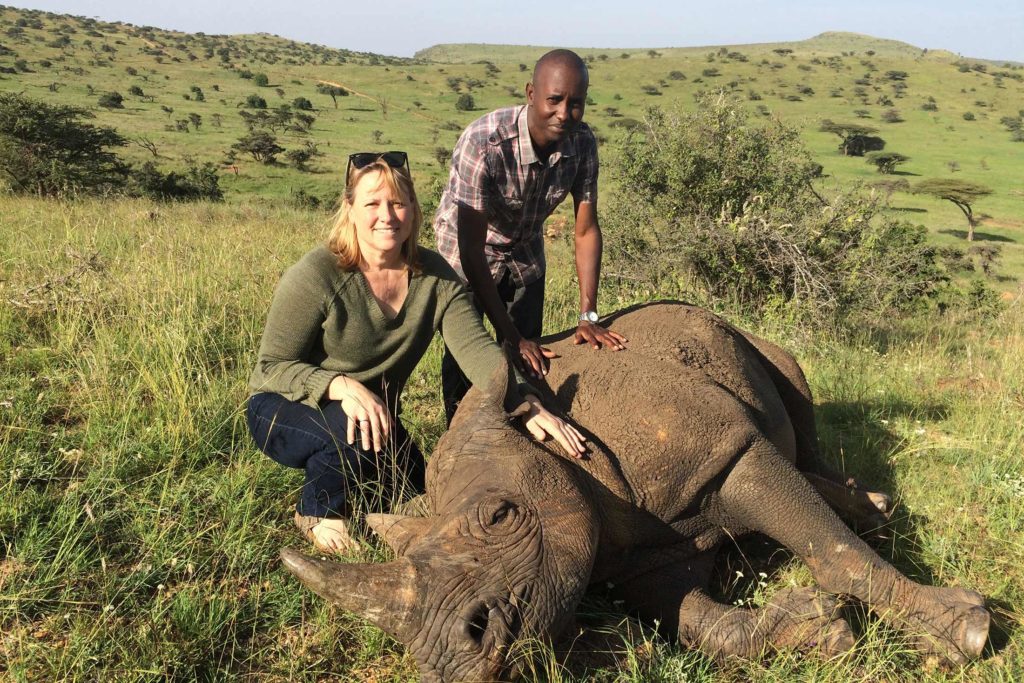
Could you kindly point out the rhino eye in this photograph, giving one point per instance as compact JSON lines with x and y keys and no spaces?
{"x":502,"y":513}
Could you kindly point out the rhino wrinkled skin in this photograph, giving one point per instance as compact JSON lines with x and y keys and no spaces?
{"x":698,"y":432}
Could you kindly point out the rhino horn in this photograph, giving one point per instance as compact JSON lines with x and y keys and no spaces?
{"x":383,"y":594}
{"x":398,"y":531}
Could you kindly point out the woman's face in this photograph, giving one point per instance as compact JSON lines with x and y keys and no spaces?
{"x":382,"y":220}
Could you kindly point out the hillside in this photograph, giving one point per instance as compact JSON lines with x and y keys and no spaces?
{"x":949,"y":115}
{"x":828,"y":42}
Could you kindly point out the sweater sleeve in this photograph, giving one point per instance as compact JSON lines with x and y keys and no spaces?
{"x":286,"y":363}
{"x":474,"y":350}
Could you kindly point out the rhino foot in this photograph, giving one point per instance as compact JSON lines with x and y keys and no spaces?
{"x":808,"y":620}
{"x":868,"y":510}
{"x":952,"y":623}
{"x":796,"y":618}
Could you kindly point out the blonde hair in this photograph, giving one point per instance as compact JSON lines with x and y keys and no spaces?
{"x":342,"y":238}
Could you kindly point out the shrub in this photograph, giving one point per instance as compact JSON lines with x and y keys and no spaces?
{"x":969,"y":116}
{"x":892,"y":116}
{"x":261,"y":80}
{"x":111,"y":100}
{"x":302,"y":104}
{"x":713,"y":207}
{"x":465,"y":102}
{"x":255,"y":102}
{"x":197,"y":183}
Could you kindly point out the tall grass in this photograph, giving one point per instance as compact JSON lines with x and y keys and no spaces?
{"x":139,"y":526}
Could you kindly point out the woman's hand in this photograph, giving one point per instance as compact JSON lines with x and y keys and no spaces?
{"x":364,"y":409}
{"x":542,"y":423}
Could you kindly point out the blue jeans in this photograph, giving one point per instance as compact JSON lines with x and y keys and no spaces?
{"x":525,"y":305}
{"x":339,"y":477}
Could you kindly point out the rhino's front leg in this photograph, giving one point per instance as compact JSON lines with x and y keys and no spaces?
{"x":762,"y":492}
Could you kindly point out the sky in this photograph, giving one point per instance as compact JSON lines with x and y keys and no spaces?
{"x":988,"y":29}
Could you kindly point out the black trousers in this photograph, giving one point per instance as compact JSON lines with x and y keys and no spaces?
{"x":525,"y":305}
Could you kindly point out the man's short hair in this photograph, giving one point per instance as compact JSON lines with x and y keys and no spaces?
{"x":562,"y":57}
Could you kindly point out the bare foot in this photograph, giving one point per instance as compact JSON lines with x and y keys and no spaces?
{"x":328,"y":534}
{"x":333,"y":536}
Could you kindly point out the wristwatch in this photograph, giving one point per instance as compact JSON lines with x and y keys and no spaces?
{"x":588,"y":317}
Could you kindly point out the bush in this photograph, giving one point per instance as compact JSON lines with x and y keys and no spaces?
{"x":255,"y":102}
{"x":111,"y":100}
{"x":892,"y":116}
{"x":197,"y":183}
{"x":712,"y":208}
{"x":302,"y":104}
{"x":465,"y":102}
{"x":261,"y":80}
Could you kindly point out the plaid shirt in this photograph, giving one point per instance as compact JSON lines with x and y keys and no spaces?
{"x":495,"y":170}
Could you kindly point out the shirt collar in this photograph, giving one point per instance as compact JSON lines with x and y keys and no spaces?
{"x":527,"y":155}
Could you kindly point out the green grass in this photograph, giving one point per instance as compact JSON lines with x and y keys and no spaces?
{"x":139,"y":527}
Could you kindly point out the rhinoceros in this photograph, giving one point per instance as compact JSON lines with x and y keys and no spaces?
{"x":699,"y":432}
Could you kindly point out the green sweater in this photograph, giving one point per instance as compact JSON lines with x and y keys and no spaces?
{"x":324,"y":322}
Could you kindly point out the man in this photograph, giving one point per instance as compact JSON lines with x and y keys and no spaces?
{"x":509,"y":171}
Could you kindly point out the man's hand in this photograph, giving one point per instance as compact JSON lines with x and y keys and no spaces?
{"x":597,"y":336}
{"x":532,"y":358}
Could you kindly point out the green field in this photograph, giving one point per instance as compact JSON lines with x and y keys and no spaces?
{"x":139,"y":526}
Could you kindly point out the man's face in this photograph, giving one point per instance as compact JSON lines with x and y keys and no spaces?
{"x":557,"y":97}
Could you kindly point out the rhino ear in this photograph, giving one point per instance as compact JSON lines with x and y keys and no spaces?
{"x":493,"y":397}
{"x":398,"y":531}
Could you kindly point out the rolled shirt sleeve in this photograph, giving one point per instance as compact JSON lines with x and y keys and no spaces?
{"x":584,"y":189}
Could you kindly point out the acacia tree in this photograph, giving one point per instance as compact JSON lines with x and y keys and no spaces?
{"x":963,"y":193}
{"x":46,"y":149}
{"x":856,"y":139}
{"x":333,"y":90}
{"x":886,"y":162}
{"x":261,"y":144}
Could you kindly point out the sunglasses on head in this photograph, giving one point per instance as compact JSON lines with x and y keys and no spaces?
{"x":394,"y":159}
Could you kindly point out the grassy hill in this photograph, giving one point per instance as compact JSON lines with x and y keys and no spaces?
{"x":411,"y":103}
{"x":947,"y":111}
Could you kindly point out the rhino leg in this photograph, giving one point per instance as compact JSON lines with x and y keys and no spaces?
{"x":868,"y":510}
{"x":672,"y":592}
{"x":796,"y":618}
{"x":762,"y":492}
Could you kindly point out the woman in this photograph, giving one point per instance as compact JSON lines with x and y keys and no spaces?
{"x":347,"y":325}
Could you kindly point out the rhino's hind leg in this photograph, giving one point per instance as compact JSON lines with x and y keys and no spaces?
{"x":763,"y":492}
{"x":796,"y":618}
